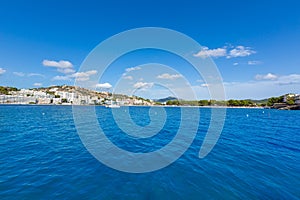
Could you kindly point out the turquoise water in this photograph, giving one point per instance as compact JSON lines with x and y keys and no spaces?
{"x":42,"y":157}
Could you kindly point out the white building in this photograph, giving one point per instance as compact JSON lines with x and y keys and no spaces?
{"x":40,"y":94}
{"x":44,"y":100}
{"x":82,"y":100}
{"x":56,"y":100}
{"x":53,"y":89}
{"x":70,"y":96}
{"x":94,"y":100}
{"x":297,"y":99}
{"x":138,"y":102}
{"x":288,"y":96}
{"x":26,"y":92}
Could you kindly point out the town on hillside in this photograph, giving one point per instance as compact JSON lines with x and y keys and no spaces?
{"x":66,"y":95}
{"x":74,"y":95}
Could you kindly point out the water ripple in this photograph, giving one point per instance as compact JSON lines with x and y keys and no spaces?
{"x":42,"y":157}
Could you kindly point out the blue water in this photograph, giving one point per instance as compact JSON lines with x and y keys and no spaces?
{"x":42,"y":157}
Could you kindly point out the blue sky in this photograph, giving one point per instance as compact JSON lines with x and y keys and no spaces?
{"x":255,"y":44}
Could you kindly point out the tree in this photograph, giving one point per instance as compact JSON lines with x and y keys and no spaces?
{"x":290,"y":101}
{"x":203,"y":103}
{"x":245,"y":102}
{"x":6,"y":90}
{"x":212,"y":102}
{"x":273,"y":100}
{"x":173,"y":102}
{"x":232,"y":102}
{"x":51,"y":93}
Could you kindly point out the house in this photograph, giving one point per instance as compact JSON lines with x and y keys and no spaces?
{"x":288,"y":96}
{"x":297,"y":99}
{"x":44,"y":100}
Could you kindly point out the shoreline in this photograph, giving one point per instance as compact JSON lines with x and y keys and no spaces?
{"x":164,"y":106}
{"x":167,"y":106}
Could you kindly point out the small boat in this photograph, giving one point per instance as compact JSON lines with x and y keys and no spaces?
{"x":112,"y":106}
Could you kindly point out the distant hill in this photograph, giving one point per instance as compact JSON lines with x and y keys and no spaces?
{"x":165,"y":99}
{"x":6,"y":89}
{"x":174,"y":98}
{"x":265,"y":101}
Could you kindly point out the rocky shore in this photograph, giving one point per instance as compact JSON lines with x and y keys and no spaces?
{"x":284,"y":106}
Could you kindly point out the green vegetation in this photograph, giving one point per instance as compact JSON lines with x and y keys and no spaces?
{"x":196,"y":103}
{"x":273,"y":100}
{"x":290,"y":101}
{"x":173,"y":102}
{"x":211,"y":103}
{"x":51,"y":93}
{"x":285,"y":100}
{"x":165,"y":99}
{"x":190,"y":103}
{"x":233,"y":102}
{"x":7,"y":90}
{"x":204,"y":103}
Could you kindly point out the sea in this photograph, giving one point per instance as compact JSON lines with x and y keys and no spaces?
{"x":42,"y":156}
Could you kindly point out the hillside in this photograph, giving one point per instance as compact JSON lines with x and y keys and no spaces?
{"x":165,"y":99}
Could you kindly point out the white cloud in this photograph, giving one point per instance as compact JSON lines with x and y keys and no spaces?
{"x":235,"y":64}
{"x":132,"y":69}
{"x":144,"y":85}
{"x":19,"y":74}
{"x":206,"y":52}
{"x":256,"y":89}
{"x":240,"y":51}
{"x":268,"y":76}
{"x":80,"y":76}
{"x":128,"y":77}
{"x":2,"y":71}
{"x":83,"y":76}
{"x":66,"y":67}
{"x":289,"y":79}
{"x":204,"y":85}
{"x":38,"y":84}
{"x":66,"y":70}
{"x":36,"y":74}
{"x":263,"y":88}
{"x":61,"y":78}
{"x":63,"y":64}
{"x":254,"y":62}
{"x":169,"y":76}
{"x":104,"y":85}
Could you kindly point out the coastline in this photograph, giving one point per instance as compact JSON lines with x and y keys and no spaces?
{"x":167,"y":106}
